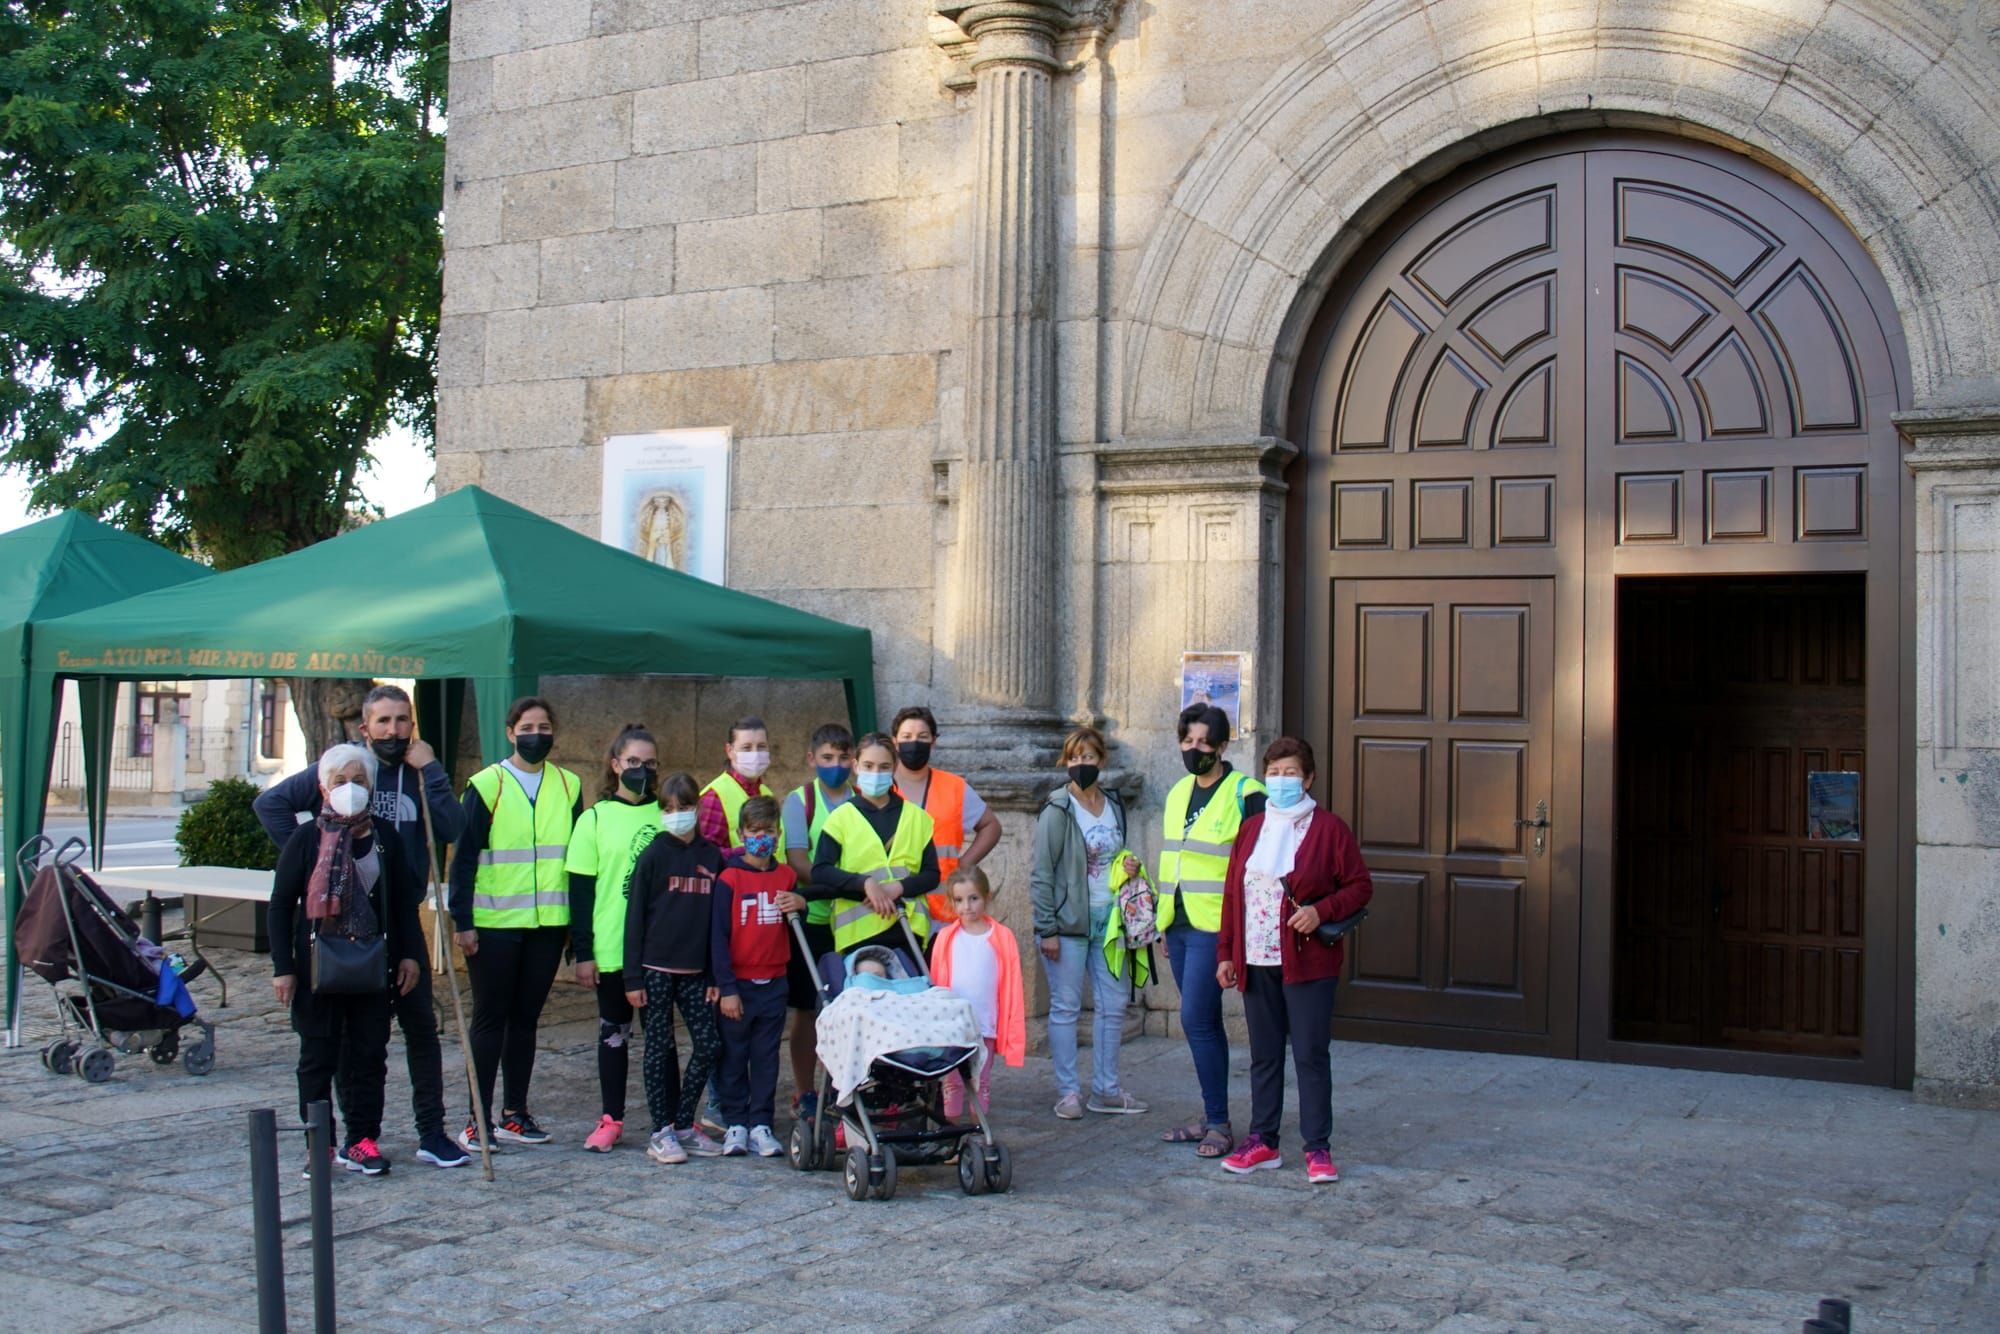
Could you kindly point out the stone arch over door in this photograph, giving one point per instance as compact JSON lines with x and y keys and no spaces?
{"x":1891,"y":113}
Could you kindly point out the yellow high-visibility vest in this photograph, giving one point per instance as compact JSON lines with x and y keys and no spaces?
{"x":1196,"y":861}
{"x":523,"y":879}
{"x":862,"y":853}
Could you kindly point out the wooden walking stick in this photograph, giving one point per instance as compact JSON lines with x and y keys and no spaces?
{"x":450,"y":978}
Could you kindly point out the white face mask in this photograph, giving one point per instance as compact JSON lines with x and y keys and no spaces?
{"x":678,"y":823}
{"x":348,"y":800}
{"x":753,"y":763}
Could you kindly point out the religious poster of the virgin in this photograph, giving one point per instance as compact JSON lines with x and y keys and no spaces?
{"x":666,"y":499}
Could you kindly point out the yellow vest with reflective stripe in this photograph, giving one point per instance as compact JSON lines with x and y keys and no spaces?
{"x":1197,"y":861}
{"x":862,"y":853}
{"x":732,"y":796}
{"x":813,"y":798}
{"x":522,"y":880}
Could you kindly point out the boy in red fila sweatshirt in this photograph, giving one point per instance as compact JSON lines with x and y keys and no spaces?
{"x":749,"y":968}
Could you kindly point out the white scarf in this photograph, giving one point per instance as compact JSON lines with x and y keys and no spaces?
{"x":1279,"y":837}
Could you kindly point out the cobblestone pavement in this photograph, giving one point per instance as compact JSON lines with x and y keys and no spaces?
{"x":1477,"y":1193}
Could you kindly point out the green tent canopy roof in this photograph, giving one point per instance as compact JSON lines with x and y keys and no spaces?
{"x":48,"y":569}
{"x":468,"y":586}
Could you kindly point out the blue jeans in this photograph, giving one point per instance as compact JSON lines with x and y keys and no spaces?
{"x":1107,"y":1028}
{"x":1191,"y":954}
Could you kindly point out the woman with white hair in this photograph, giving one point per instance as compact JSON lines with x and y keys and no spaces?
{"x":343,"y":897}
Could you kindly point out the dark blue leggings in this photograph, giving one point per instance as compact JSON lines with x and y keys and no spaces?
{"x":1191,"y":954}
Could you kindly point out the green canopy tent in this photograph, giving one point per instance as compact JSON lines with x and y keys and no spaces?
{"x":467,"y":588}
{"x":48,"y":569}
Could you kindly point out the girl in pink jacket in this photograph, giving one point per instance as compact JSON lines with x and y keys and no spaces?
{"x":977,"y":958}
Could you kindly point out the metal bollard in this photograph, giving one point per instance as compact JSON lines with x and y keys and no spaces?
{"x":319,"y":1145}
{"x":1838,"y":1312}
{"x":265,"y":1222}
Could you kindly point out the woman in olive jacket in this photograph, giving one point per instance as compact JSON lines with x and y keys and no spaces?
{"x":1080,"y":830}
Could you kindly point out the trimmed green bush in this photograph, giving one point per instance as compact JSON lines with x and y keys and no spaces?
{"x":222,"y":830}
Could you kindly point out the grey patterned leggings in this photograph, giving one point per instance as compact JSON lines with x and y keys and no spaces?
{"x":673,"y":1101}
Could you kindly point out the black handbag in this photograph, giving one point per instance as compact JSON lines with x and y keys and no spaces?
{"x":1328,"y":933}
{"x":344,"y":966}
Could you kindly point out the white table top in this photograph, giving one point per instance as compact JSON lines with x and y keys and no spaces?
{"x":210,"y":882}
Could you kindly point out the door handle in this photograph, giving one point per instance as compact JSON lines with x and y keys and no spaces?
{"x":1540,"y":824}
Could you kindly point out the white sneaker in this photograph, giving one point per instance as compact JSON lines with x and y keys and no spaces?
{"x":735,"y":1142}
{"x":697,"y":1142}
{"x":763,"y":1143}
{"x":665,"y":1147}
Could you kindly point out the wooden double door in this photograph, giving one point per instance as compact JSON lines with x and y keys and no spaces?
{"x":1597,"y":362}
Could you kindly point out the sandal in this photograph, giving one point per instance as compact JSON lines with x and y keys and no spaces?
{"x":1217,"y":1142}
{"x":1191,"y":1133}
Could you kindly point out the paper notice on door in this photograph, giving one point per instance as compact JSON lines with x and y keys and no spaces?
{"x":1833,"y":805}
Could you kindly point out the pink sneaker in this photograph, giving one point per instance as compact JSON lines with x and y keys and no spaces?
{"x":1320,"y":1167}
{"x":1254,"y":1156}
{"x":607,"y":1133}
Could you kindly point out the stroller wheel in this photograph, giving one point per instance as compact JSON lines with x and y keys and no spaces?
{"x":62,"y":1056}
{"x":999,"y":1169}
{"x":168,"y":1048}
{"x":801,"y":1148}
{"x":199,"y":1058}
{"x":885,"y":1175}
{"x":972,"y":1165}
{"x":96,"y":1065}
{"x":854,"y":1173}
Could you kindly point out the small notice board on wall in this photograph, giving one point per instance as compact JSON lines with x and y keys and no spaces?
{"x":666,"y":499}
{"x":1221,"y":679}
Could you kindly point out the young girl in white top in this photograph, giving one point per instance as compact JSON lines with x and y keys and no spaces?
{"x":978,"y":959}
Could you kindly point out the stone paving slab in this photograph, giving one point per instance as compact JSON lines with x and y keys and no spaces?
{"x":1478,"y":1193}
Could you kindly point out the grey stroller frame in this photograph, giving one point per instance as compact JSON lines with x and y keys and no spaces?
{"x":106,"y":987}
{"x":917,"y":1132}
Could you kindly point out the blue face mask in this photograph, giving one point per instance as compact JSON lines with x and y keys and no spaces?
{"x":760,"y":845}
{"x":874,"y":783}
{"x":833,"y":775}
{"x":1285,"y":790}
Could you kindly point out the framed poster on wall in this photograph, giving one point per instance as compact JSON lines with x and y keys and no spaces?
{"x":1221,"y":679}
{"x":666,"y":499}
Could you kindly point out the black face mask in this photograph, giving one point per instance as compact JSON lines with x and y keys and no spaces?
{"x":534,"y":747}
{"x":913,"y":754}
{"x":1083,"y":775}
{"x":637,"y":780}
{"x":391,"y":750}
{"x":1198,"y":761}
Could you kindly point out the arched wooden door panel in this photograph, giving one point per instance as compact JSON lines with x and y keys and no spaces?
{"x":1609,"y":360}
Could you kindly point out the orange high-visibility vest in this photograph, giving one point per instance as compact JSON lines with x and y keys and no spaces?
{"x":944,"y":802}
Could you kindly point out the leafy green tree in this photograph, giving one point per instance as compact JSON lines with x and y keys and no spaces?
{"x":219,"y":259}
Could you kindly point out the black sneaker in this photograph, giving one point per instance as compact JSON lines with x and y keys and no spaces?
{"x":306,"y":1172}
{"x":363,"y":1156}
{"x":519,"y":1128}
{"x":468,"y":1138}
{"x":436,"y":1148}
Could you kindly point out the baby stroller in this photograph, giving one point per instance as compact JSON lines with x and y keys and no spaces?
{"x":126,"y":993}
{"x":896,"y":1116}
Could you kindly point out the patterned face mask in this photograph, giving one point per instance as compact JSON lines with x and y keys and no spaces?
{"x":760,"y":845}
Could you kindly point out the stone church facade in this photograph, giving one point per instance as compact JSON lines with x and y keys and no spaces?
{"x":1587,"y":417}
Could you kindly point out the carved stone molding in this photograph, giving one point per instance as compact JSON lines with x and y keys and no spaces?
{"x":1061,"y":34}
{"x":1951,"y":439}
{"x":1165,"y":467}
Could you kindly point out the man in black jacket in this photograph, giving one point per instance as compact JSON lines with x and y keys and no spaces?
{"x":407,"y":770}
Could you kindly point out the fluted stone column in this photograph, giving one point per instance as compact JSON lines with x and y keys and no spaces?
{"x":1003,"y":640}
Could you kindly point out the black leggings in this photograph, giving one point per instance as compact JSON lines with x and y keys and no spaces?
{"x":347,"y":1036}
{"x":614,"y":1043}
{"x":671,"y":1098}
{"x":511,"y":976}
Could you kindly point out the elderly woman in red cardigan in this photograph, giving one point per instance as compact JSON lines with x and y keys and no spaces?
{"x":1292,"y":868}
